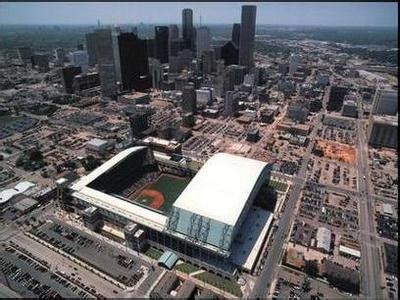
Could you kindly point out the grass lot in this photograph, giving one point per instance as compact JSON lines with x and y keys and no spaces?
{"x":279,"y":186}
{"x":170,"y":186}
{"x":186,"y":268}
{"x":221,"y":283}
{"x":153,"y":253}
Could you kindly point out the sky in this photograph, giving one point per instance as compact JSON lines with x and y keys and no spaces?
{"x":290,"y":13}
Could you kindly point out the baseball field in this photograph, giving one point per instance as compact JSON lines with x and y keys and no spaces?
{"x":163,"y":192}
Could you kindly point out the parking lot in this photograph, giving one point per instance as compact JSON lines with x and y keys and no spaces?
{"x":323,"y":207}
{"x":121,"y":266}
{"x":387,"y":227}
{"x":31,"y":279}
{"x":338,"y":134}
{"x":384,"y":173}
{"x":332,"y":173}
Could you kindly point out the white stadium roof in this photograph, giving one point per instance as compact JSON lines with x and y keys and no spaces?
{"x":221,"y":188}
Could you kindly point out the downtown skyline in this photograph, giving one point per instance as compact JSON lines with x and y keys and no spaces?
{"x":270,"y":13}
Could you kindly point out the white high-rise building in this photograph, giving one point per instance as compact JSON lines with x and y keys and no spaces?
{"x":231,"y":103}
{"x":203,"y":40}
{"x":204,"y":96}
{"x":80,"y":59}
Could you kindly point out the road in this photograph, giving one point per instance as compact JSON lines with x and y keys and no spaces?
{"x":270,"y":269}
{"x":370,"y":270}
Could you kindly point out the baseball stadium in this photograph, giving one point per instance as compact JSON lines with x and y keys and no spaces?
{"x":203,"y":213}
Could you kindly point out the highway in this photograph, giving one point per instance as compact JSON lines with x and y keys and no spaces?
{"x":370,"y":270}
{"x":270,"y":269}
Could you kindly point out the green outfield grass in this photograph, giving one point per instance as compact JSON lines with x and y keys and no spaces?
{"x":170,"y":186}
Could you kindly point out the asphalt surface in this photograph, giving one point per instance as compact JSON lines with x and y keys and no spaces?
{"x":270,"y":269}
{"x":370,"y":270}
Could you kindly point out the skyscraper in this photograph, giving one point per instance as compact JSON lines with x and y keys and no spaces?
{"x":59,"y":54}
{"x":105,"y":62}
{"x":247,"y":33}
{"x":203,"y":40}
{"x":173,"y":34}
{"x":189,"y":99}
{"x":230,"y":54}
{"x":134,"y":65}
{"x":80,"y":59}
{"x":294,"y":61}
{"x":236,"y":34}
{"x":231,"y":103}
{"x":187,"y":27}
{"x":91,"y":48}
{"x":25,"y":54}
{"x":161,"y":43}
{"x":67,"y":77}
{"x":208,"y":61}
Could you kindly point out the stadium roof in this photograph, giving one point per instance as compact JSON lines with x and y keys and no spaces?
{"x":113,"y":203}
{"x":221,"y":188}
{"x":84,"y":181}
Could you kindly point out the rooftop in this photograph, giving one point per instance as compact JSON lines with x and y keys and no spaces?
{"x":221,"y":188}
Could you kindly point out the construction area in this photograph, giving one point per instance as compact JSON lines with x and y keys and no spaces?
{"x":336,"y":151}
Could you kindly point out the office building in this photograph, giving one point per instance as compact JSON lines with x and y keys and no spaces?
{"x":67,"y":75}
{"x":297,"y":112}
{"x":189,"y":99}
{"x":230,"y":54}
{"x":236,"y":34}
{"x":173,"y":34}
{"x":139,"y":122}
{"x":247,"y":34}
{"x":234,"y":76}
{"x":294,"y":61}
{"x":134,"y":63}
{"x":208,"y":62}
{"x":80,"y":59}
{"x":176,"y":46}
{"x":204,"y":96}
{"x":82,"y":83}
{"x":187,"y":28}
{"x":385,"y":102}
{"x":383,"y":131}
{"x":161,"y":43}
{"x":155,"y":72}
{"x":350,"y":108}
{"x":203,"y":40}
{"x":59,"y":55}
{"x":105,"y":62}
{"x":41,"y":61}
{"x":91,"y":48}
{"x":283,"y":68}
{"x":231,"y":103}
{"x":336,"y":98}
{"x":25,"y":55}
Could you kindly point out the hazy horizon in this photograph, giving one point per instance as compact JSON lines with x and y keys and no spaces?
{"x":329,"y":14}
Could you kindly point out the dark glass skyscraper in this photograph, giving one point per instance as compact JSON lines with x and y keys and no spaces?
{"x":134,"y":62}
{"x":247,"y":33}
{"x":91,"y":48}
{"x":161,"y":43}
{"x":187,"y":27}
{"x":236,"y":34}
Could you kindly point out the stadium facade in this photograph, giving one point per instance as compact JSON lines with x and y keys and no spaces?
{"x":200,"y":213}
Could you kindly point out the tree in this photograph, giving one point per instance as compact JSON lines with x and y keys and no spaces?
{"x":311,"y":268}
{"x":36,"y":155}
